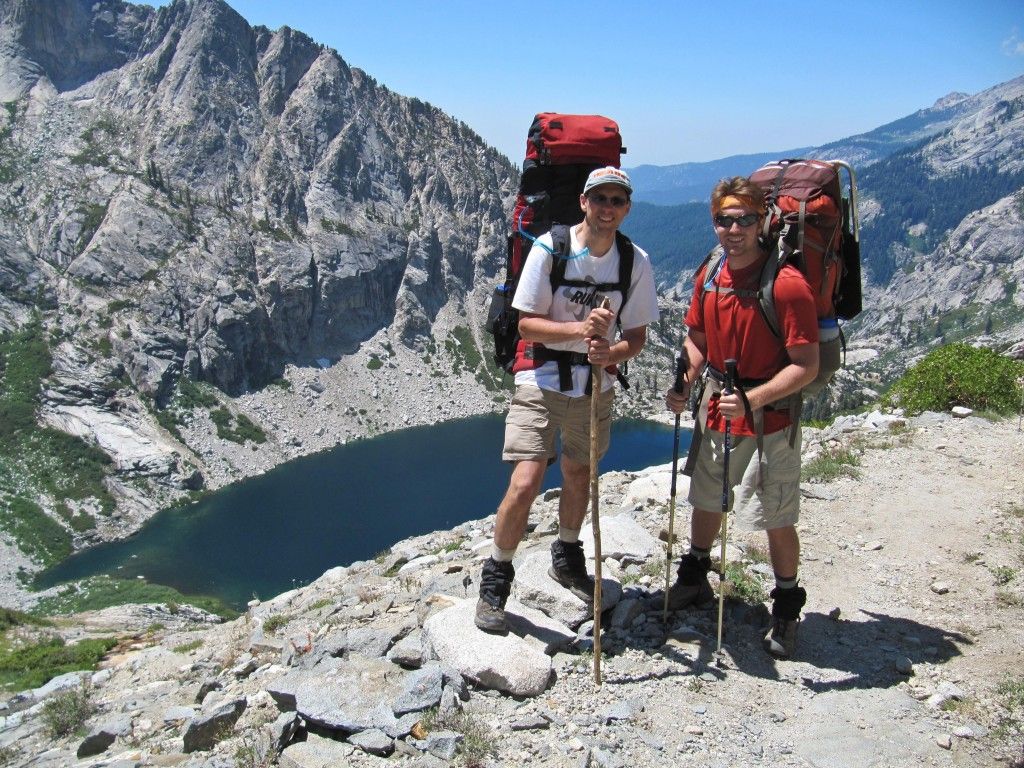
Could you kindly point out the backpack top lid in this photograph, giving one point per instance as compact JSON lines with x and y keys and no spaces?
{"x":558,"y":139}
{"x":799,"y":179}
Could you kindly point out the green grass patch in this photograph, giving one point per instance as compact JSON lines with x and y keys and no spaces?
{"x":99,"y":592}
{"x":959,"y":374}
{"x":10,"y":618}
{"x":39,"y":461}
{"x":1004,"y":574}
{"x":479,"y":742}
{"x":831,"y":464}
{"x":337,"y":227}
{"x":37,"y":534}
{"x":31,"y":666}
{"x":741,"y":585}
{"x":374,"y":363}
{"x":1011,"y":693}
{"x":188,"y":647}
{"x":272,"y":624}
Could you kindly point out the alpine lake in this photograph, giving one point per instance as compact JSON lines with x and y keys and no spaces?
{"x":268,"y":534}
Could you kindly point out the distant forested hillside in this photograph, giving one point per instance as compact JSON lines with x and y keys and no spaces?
{"x":911,"y":194}
{"x":677,"y":237}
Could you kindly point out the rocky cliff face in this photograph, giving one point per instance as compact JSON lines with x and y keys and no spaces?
{"x":244,"y":196}
{"x":182,"y":194}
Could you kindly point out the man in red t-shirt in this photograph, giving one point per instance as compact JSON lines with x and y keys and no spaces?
{"x":724,"y":322}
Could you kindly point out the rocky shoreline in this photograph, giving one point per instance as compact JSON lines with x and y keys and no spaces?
{"x":905,"y":642}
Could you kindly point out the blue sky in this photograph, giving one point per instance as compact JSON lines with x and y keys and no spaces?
{"x":686,"y":81}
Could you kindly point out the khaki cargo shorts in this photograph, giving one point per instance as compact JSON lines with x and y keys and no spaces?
{"x":536,"y":415}
{"x":768,"y":494}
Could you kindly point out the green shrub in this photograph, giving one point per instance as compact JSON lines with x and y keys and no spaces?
{"x":38,"y":535}
{"x":273,"y":623}
{"x":67,"y":712}
{"x":374,"y":363}
{"x":34,"y":665}
{"x":959,"y":374}
{"x":238,"y":429}
{"x":9,"y":618}
{"x":192,"y":395}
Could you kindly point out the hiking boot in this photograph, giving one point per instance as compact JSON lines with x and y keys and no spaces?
{"x":691,"y":587}
{"x":569,"y":568}
{"x":780,"y":641}
{"x":495,"y":586}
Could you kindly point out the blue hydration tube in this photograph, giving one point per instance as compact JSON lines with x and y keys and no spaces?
{"x":535,"y":241}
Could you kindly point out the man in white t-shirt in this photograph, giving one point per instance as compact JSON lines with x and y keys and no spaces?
{"x":566,"y":331}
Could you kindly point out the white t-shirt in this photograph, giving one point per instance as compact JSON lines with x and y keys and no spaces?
{"x":573,"y":303}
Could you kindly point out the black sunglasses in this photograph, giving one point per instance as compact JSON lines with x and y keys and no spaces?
{"x":726,"y":222}
{"x":615,"y":202}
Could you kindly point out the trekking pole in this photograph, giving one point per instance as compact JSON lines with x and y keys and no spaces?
{"x":682,"y":366}
{"x":595,"y":392}
{"x":727,"y":389}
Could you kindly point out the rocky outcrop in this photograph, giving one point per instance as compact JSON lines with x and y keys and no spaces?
{"x":345,"y":670}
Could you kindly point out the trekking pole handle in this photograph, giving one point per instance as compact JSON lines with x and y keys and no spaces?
{"x":730,"y":376}
{"x":682,"y":366}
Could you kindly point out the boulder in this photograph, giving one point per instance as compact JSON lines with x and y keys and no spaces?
{"x":204,"y":732}
{"x":351,"y":695}
{"x":535,"y":589}
{"x":422,"y":690}
{"x":506,"y":663}
{"x":622,"y":538}
{"x":102,"y":736}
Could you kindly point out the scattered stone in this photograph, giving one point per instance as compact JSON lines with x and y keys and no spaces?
{"x":835,"y":613}
{"x":374,"y":742}
{"x":872,"y":546}
{"x":422,"y":690}
{"x":408,"y":652}
{"x":944,"y":740}
{"x":960,"y":412}
{"x":316,"y":751}
{"x":904,"y":665}
{"x":204,"y":732}
{"x":530,"y":723}
{"x":940,"y":587}
{"x":102,"y":736}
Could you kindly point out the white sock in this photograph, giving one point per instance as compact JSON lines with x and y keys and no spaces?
{"x":502,"y":555}
{"x":568,"y":535}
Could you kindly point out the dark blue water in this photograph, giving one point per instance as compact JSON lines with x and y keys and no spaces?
{"x":285,"y":528}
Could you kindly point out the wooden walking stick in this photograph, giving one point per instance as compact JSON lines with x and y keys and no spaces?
{"x":595,"y":392}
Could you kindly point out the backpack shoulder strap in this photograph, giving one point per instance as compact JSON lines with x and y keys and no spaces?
{"x":627,"y":254}
{"x":766,"y":292}
{"x":560,"y":249}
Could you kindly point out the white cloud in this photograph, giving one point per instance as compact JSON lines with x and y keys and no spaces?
{"x":1013,"y":45}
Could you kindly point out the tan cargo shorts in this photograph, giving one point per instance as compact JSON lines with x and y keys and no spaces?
{"x":765,"y":495}
{"x":536,"y":415}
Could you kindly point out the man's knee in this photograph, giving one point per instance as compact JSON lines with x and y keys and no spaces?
{"x":526,"y":480}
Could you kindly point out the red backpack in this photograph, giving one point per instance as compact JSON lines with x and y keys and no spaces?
{"x":816,"y":229}
{"x":561,"y":151}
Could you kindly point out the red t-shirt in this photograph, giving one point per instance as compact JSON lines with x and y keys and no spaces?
{"x":735,"y":328}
